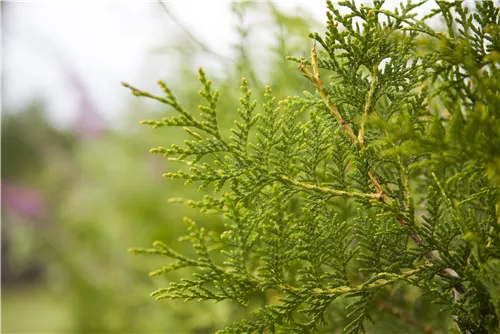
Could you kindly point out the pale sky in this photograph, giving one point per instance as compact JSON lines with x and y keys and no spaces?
{"x":103,"y":43}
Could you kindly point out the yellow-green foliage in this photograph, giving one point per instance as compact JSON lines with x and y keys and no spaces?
{"x":385,"y":182}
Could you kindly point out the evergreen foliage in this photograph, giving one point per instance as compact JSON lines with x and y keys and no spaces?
{"x":388,"y":177}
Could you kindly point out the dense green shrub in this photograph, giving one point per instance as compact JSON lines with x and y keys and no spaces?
{"x":376,"y":197}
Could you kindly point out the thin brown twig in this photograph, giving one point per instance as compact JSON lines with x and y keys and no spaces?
{"x":320,"y":88}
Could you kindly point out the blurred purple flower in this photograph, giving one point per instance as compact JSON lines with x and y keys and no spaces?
{"x":89,"y":125}
{"x":23,"y":201}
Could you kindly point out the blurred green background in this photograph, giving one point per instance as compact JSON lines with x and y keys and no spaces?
{"x":74,"y":198}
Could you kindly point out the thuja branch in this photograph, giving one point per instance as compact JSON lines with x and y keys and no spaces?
{"x":381,"y":195}
{"x":315,"y":78}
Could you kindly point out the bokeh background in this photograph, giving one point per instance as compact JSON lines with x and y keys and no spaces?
{"x":78,"y":184}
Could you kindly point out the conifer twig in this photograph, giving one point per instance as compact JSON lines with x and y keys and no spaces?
{"x":316,"y":80}
{"x":374,"y":283}
{"x":368,"y":105}
{"x":326,"y":190}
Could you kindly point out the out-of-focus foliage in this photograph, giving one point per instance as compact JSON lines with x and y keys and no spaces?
{"x":377,"y":196}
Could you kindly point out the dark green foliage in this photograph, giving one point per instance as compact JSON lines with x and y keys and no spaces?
{"x":389,"y":177}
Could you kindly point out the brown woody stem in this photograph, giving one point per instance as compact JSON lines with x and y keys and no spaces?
{"x":314,"y":77}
